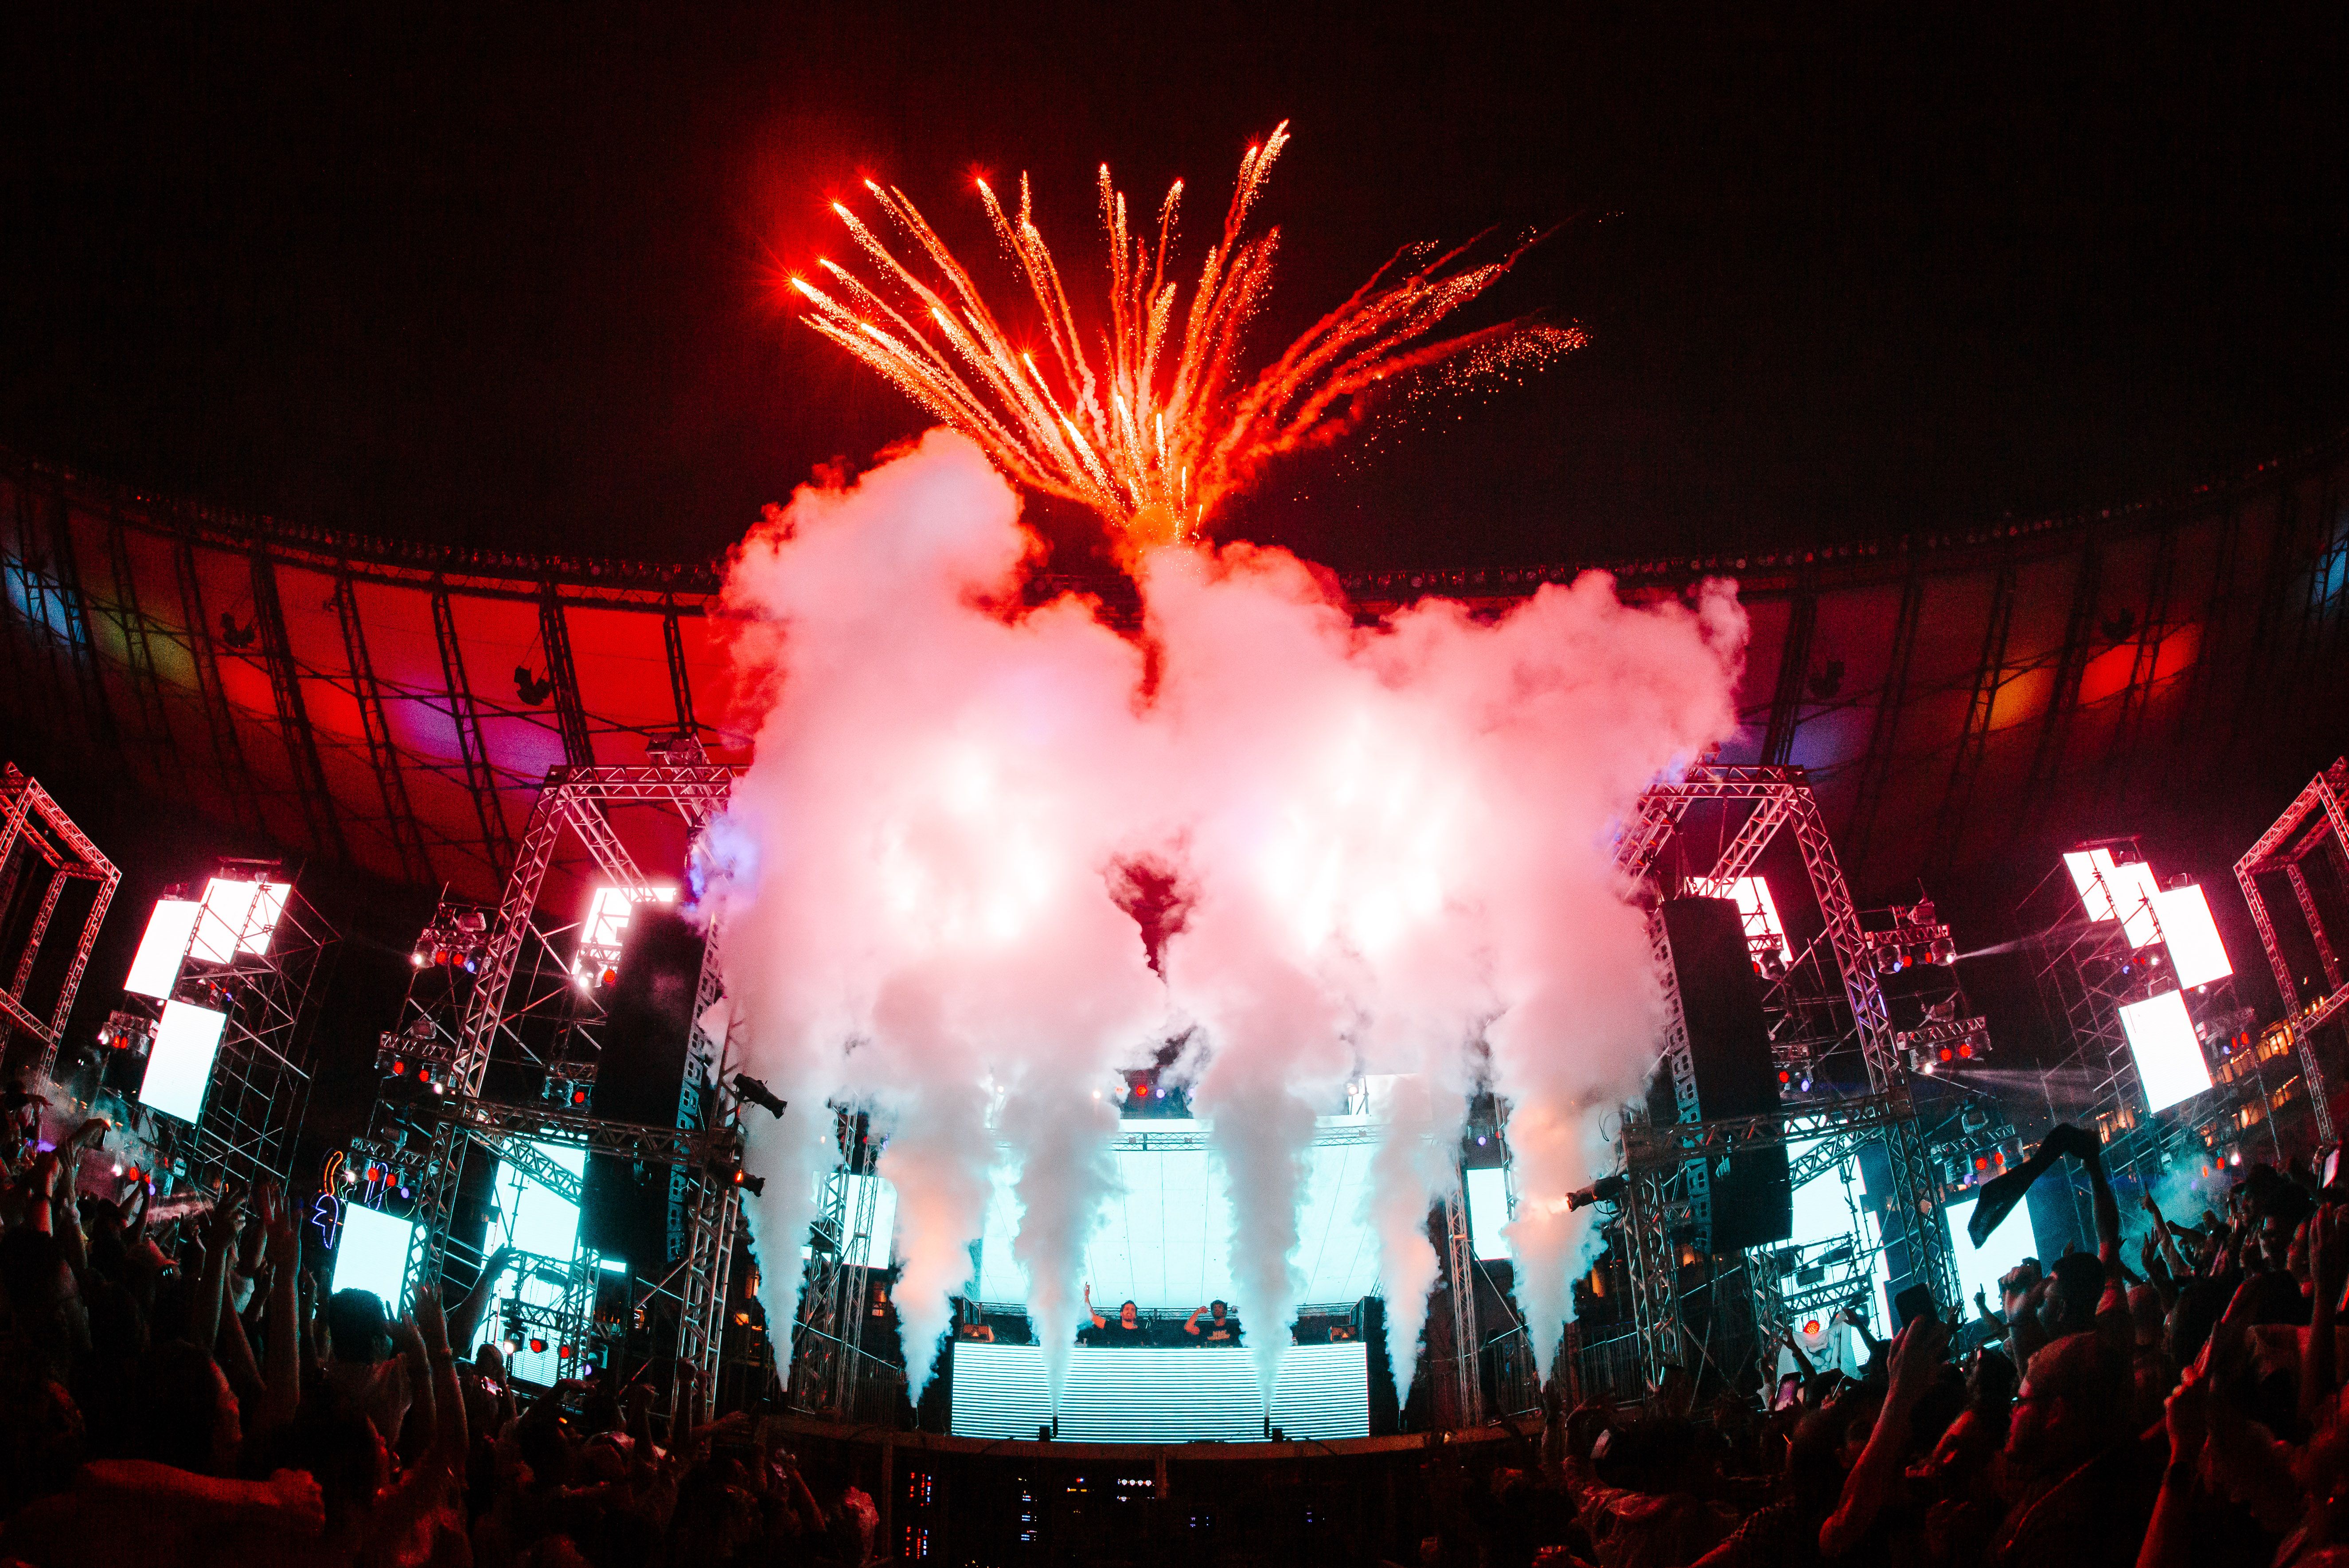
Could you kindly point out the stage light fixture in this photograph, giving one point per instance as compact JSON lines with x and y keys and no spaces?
{"x":754,"y":1185}
{"x":537,"y":1346}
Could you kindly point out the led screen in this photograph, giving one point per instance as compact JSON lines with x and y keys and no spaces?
{"x":156,"y":969}
{"x":543,"y":1225}
{"x":373,"y":1255}
{"x":2196,"y":953}
{"x":2168,"y":1058}
{"x":1979,"y":1268}
{"x":1488,"y":1212}
{"x":1165,"y":1239}
{"x":1190,"y":1394}
{"x":180,"y":1067}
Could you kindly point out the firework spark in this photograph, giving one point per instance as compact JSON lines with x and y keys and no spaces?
{"x":1153,"y":426}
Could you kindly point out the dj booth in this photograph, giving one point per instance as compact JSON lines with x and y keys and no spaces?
{"x":1186,"y":1394}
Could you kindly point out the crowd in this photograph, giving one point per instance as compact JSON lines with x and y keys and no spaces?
{"x":2184,"y":1413}
{"x":177,"y":1391}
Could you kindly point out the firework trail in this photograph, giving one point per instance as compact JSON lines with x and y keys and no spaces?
{"x":1153,"y":426}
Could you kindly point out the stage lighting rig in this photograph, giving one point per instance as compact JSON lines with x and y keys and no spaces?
{"x":1916,"y":939}
{"x":458,"y":938}
{"x":1944,"y":1042}
{"x":419,"y":1055}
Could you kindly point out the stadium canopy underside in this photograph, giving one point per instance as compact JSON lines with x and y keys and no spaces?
{"x":397,"y":705}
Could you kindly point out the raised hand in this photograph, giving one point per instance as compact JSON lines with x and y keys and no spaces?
{"x":1916,"y":1357}
{"x":431,"y":1326}
{"x":285,"y":1247}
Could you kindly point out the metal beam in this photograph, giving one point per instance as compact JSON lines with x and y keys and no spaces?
{"x":317,"y":796}
{"x":681,"y":682}
{"x":2063,"y":697}
{"x":1990,"y":675}
{"x":146,"y":681}
{"x":75,"y":607}
{"x":1883,"y":732}
{"x":392,"y":782}
{"x":1794,"y":668}
{"x":220,"y":718}
{"x":554,"y":638}
{"x":497,"y":842}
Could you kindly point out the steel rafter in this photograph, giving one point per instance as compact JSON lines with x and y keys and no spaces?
{"x":1876,"y":763}
{"x":74,"y":605}
{"x":1794,"y":668}
{"x":310,"y":785}
{"x":220,"y":718}
{"x":571,"y":716}
{"x":145,"y":683}
{"x":1990,"y":676}
{"x":681,"y":682}
{"x":2071,"y":664}
{"x":375,"y":725}
{"x":497,"y":843}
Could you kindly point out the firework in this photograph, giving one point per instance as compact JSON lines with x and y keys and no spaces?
{"x":1147,"y":420}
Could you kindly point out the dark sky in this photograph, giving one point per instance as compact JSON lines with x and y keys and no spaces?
{"x":505,"y":272}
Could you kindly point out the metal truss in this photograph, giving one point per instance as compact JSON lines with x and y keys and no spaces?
{"x":1667,"y":1166}
{"x":828,"y":1355}
{"x":2314,"y":820}
{"x":1467,"y":1343}
{"x":41,"y":847}
{"x":533,"y":1027}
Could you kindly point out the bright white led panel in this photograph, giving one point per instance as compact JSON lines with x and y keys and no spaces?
{"x":2196,"y":953}
{"x":372,"y":1254}
{"x":2113,"y":892}
{"x":2085,"y":869}
{"x":180,"y":1067}
{"x":1979,"y":1268}
{"x":1488,"y":1212}
{"x":220,"y":928}
{"x":2168,"y":1058}
{"x":156,"y":969}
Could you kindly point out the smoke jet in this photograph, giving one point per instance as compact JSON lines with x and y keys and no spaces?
{"x":1392,"y":844}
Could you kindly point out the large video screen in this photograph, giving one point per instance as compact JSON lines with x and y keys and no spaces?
{"x":1165,"y":1244}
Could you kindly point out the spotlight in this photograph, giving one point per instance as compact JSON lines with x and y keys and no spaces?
{"x":1806,"y":1083}
{"x":537,"y":1347}
{"x":754,"y":1185}
{"x":759,"y":1095}
{"x":1606,"y":1189}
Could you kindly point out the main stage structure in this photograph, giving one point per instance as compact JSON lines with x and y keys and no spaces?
{"x":1828,"y":1005}
{"x":501,"y":1021}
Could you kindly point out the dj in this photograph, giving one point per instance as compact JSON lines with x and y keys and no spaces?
{"x":1126,"y":1331}
{"x":1222,"y":1327}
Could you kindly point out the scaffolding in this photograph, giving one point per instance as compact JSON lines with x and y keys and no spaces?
{"x":1826,"y":1011}
{"x":2314,"y":821}
{"x":829,"y":1361}
{"x":2087,"y":970}
{"x":509,"y":1038}
{"x":46,"y":865}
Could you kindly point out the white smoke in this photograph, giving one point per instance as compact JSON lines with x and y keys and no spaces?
{"x":1393,"y":842}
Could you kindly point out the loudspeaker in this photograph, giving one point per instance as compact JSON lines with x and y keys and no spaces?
{"x":1729,"y":1045}
{"x":639,"y":1072}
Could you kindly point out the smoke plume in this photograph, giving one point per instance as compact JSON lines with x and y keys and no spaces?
{"x":1393,"y":844}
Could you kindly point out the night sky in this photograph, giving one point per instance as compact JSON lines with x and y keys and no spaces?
{"x":508,"y":274}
